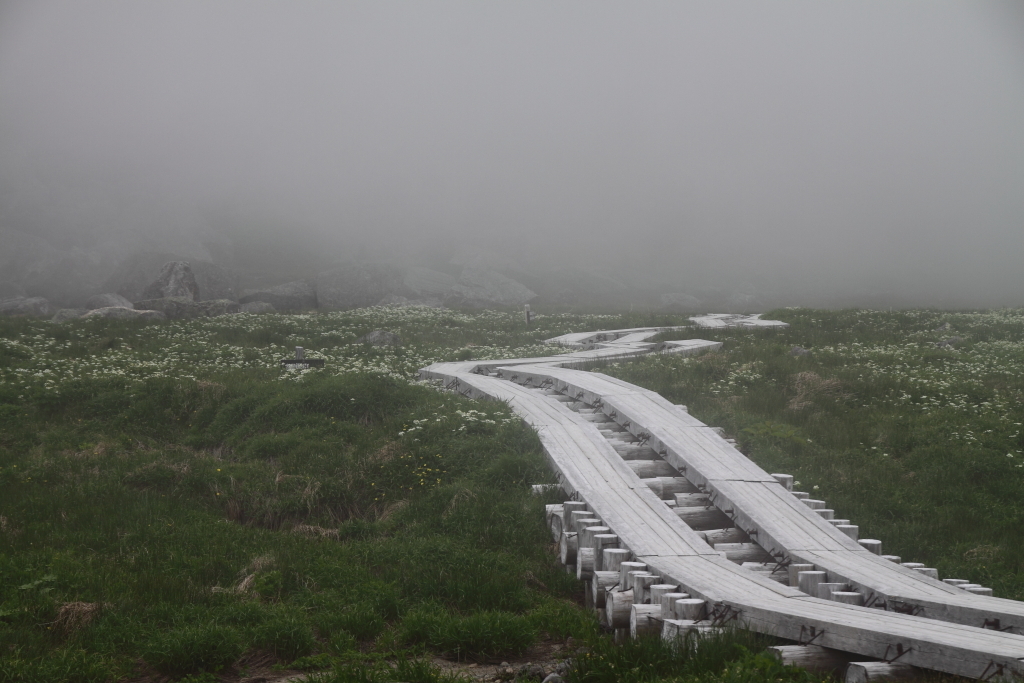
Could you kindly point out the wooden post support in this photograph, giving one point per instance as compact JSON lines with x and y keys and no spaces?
{"x":826,"y":513}
{"x":814,"y":504}
{"x":655,"y":591}
{"x":647,"y":469}
{"x":930,"y":572}
{"x":956,"y":582}
{"x":568,"y":507}
{"x":612,"y":559}
{"x":667,"y":487}
{"x":808,"y":581}
{"x":893,"y":558}
{"x":617,"y":607}
{"x":825,"y":590}
{"x":554,"y":518}
{"x":584,"y":563}
{"x":862,"y":672}
{"x":795,"y":569}
{"x":641,"y":588}
{"x":733,"y":535}
{"x":692,"y":609}
{"x":577,"y":516}
{"x":644,"y":619}
{"x":701,"y":518}
{"x":837,"y":522}
{"x":587,"y":534}
{"x":848,"y":597}
{"x":850,"y":530}
{"x":602,"y":542}
{"x":624,"y":569}
{"x":601,"y":582}
{"x":785,"y":479}
{"x":978,"y":590}
{"x":668,"y":604}
{"x":692,"y":500}
{"x":800,"y":495}
{"x":743,"y":552}
{"x":567,"y":548}
{"x":871,"y":544}
{"x":814,"y":658}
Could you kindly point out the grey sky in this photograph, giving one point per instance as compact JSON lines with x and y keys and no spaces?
{"x":798,"y":146}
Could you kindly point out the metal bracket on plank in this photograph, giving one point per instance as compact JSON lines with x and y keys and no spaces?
{"x":811,"y":633}
{"x":722,"y":614}
{"x":899,"y":653}
{"x":997,"y":670}
{"x":643,"y":437}
{"x":598,"y":402}
{"x":994,"y":625}
{"x":453,"y":385}
{"x":906,"y":608}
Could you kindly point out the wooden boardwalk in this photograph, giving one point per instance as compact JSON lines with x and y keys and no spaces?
{"x":654,"y":486}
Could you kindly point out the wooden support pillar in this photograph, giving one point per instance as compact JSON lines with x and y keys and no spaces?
{"x":930,"y":572}
{"x":808,"y":581}
{"x":612,"y":559}
{"x":794,"y":571}
{"x":743,"y":552}
{"x":601,"y":582}
{"x":785,"y":479}
{"x":814,"y":658}
{"x":668,"y":604}
{"x":701,"y":518}
{"x":733,"y":535}
{"x":667,"y":487}
{"x":826,"y":590}
{"x":568,"y":507}
{"x":567,"y":548}
{"x":848,"y":597}
{"x":617,"y":608}
{"x":674,"y":629}
{"x":862,"y":672}
{"x":872,"y":545}
{"x":655,"y":591}
{"x":644,"y":620}
{"x":601,"y":543}
{"x":691,"y":609}
{"x":641,"y":588}
{"x":584,"y":563}
{"x":624,"y":569}
{"x":850,"y":530}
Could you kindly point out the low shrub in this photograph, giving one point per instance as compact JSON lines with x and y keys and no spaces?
{"x":474,"y":636}
{"x":193,"y":649}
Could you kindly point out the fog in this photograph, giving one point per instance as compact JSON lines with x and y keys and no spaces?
{"x":841,"y":153}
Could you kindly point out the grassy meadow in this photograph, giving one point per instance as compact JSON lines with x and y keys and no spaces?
{"x":175,"y":506}
{"x":917,"y":441}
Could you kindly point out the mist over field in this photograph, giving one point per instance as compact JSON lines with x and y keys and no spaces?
{"x":746,"y":155}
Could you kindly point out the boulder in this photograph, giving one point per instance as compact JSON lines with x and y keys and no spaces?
{"x":380,"y":338}
{"x":35,"y":306}
{"x":355,"y":285}
{"x":680,"y":302}
{"x":401,"y":301}
{"x":176,"y":280}
{"x":108,"y":300}
{"x":257,"y":307}
{"x":289,"y":297}
{"x":133,"y":275}
{"x":423,"y":283}
{"x":66,"y":314}
{"x":183,"y":308}
{"x":122,"y":313}
{"x":484,"y":288}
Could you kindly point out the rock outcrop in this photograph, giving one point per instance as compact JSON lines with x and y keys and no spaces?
{"x":484,"y":288}
{"x":355,"y":285}
{"x":35,"y":306}
{"x":257,"y":307}
{"x":122,"y":313}
{"x":423,"y":283}
{"x":176,"y":280}
{"x":66,"y":314}
{"x":290,"y":297}
{"x":183,"y":308}
{"x":107,"y":301}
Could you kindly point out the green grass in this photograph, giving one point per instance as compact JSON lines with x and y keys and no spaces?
{"x":919,"y":445}
{"x":175,"y":504}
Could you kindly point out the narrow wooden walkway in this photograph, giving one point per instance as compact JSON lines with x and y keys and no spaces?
{"x":590,"y":423}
